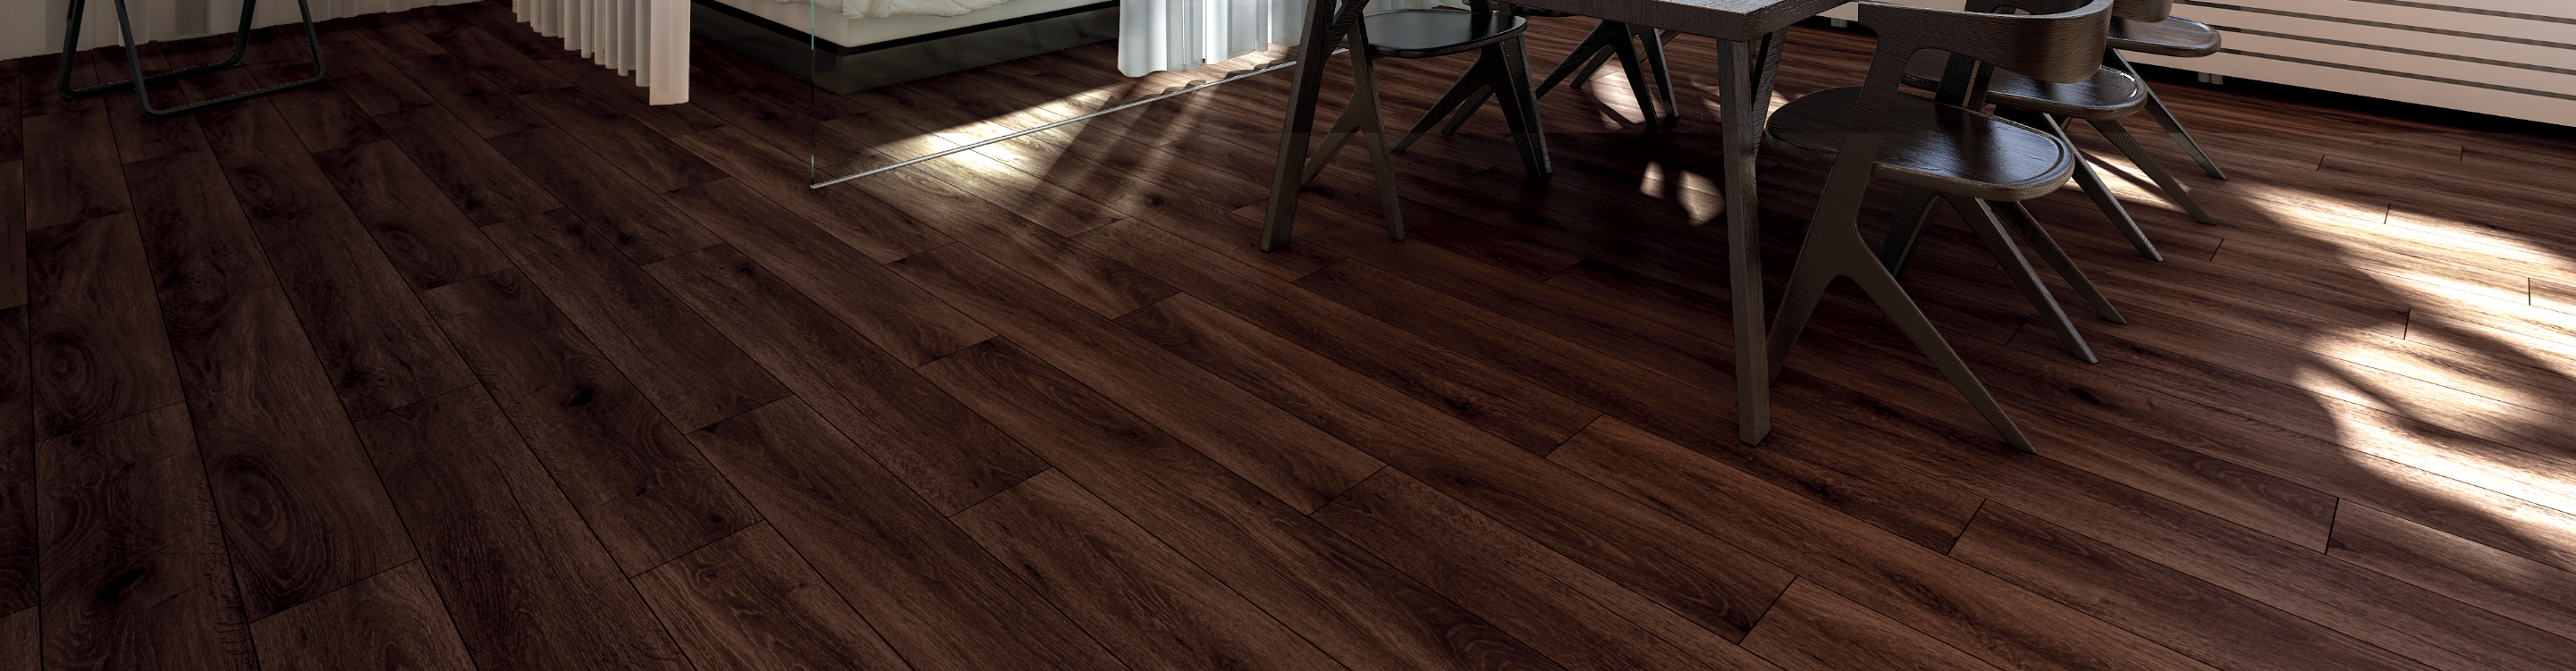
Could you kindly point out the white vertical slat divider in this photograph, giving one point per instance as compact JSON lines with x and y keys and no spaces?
{"x":646,"y":38}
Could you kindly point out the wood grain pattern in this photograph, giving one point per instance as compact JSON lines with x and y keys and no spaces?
{"x":13,"y":232}
{"x":21,"y":641}
{"x":496,"y":61}
{"x":18,"y":534}
{"x":2524,"y":590}
{"x":621,"y":93}
{"x":646,"y":228}
{"x":428,"y":240}
{"x":1156,"y":610}
{"x":1981,"y":615}
{"x":80,"y":179}
{"x":140,"y":137}
{"x":13,"y":137}
{"x":680,"y":363}
{"x":134,"y":569}
{"x":947,"y":453}
{"x":1581,"y":619}
{"x":368,"y":78}
{"x":2553,"y":295}
{"x":199,"y":246}
{"x":1106,"y":286}
{"x":1288,"y":458}
{"x":392,"y":620}
{"x":621,"y":141}
{"x":750,"y":603}
{"x":375,"y":343}
{"x":915,"y":577}
{"x":887,"y":233}
{"x":2155,"y":601}
{"x":270,"y":171}
{"x":299,"y":502}
{"x":100,"y":353}
{"x":1708,"y":582}
{"x":485,"y":108}
{"x":1348,"y":603}
{"x":322,"y":114}
{"x":1814,"y":629}
{"x":487,"y":187}
{"x":899,"y":317}
{"x":647,"y":495}
{"x":525,"y":583}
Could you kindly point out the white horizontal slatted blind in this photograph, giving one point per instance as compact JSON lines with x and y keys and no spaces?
{"x":2513,"y":58}
{"x":649,"y":38}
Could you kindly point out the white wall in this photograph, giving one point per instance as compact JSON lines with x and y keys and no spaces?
{"x":35,"y":27}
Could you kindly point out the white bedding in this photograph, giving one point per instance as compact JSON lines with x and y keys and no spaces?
{"x":878,"y":9}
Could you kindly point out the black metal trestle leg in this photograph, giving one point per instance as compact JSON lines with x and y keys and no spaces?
{"x":134,"y":60}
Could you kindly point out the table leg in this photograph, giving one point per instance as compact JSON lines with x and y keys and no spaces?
{"x":1742,"y":116}
{"x":1324,"y":27}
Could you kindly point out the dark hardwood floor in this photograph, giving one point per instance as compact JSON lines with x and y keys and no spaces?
{"x":471,"y":360}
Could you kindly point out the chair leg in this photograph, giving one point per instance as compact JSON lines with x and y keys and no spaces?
{"x":2099,"y":191}
{"x":1626,"y":48}
{"x":2120,"y":137}
{"x":1650,"y":44}
{"x":1463,"y":97}
{"x":2028,"y":226}
{"x":1588,"y":56}
{"x":1828,"y":255}
{"x":2165,"y":117}
{"x":1913,"y":215}
{"x":1365,"y":101}
{"x":1990,"y":230}
{"x":1520,"y":108}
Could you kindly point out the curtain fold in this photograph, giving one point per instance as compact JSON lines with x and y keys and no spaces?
{"x":1156,"y":35}
{"x":648,"y":38}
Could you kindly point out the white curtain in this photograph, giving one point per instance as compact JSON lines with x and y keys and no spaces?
{"x":649,"y":38}
{"x":1185,"y":34}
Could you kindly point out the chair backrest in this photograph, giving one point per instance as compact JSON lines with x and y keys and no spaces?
{"x":2065,"y":46}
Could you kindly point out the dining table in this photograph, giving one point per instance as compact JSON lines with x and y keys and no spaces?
{"x":1749,"y":35}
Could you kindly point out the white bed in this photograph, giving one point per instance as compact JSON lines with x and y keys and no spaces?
{"x":849,"y":26}
{"x":854,"y":51}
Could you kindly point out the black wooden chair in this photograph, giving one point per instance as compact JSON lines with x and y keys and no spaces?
{"x":1982,"y":164}
{"x":1426,"y":33}
{"x":2102,"y":101}
{"x":2161,"y":33}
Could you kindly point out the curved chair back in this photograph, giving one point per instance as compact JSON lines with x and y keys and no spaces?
{"x":2064,"y":47}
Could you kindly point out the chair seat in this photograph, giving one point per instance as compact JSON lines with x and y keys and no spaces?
{"x":1424,"y":33}
{"x":2175,"y":36}
{"x":1524,"y":10}
{"x":1940,"y":147}
{"x":2110,"y":94}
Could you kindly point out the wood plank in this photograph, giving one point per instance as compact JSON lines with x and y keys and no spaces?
{"x":1977,"y":613}
{"x":918,"y":579}
{"x":750,"y":603}
{"x":1814,"y":629}
{"x":623,"y":94}
{"x":632,"y":477}
{"x":621,"y":141}
{"x":322,"y":114}
{"x":1527,"y":415}
{"x":392,"y":620}
{"x":526,"y":584}
{"x":300,"y":505}
{"x":1343,"y":600}
{"x":647,"y":229}
{"x":1104,"y":285}
{"x":1144,"y":601}
{"x":194,"y":235}
{"x":487,"y":187}
{"x":19,"y":576}
{"x":80,"y":178}
{"x":1704,"y":580}
{"x":375,"y":343}
{"x":496,"y":61}
{"x":21,"y":641}
{"x":368,"y":77}
{"x":1064,"y":212}
{"x":134,"y":567}
{"x":2208,"y":622}
{"x":947,"y":453}
{"x":140,"y":138}
{"x":1163,"y":206}
{"x":482,"y":106}
{"x":680,"y":363}
{"x":2552,"y":295}
{"x":857,"y":219}
{"x":270,"y":171}
{"x":104,"y":355}
{"x":898,"y":317}
{"x":428,"y":240}
{"x":13,"y":232}
{"x":1580,"y":618}
{"x":1286,"y":457}
{"x":37,"y":96}
{"x":13,"y":138}
{"x":2533,"y":593}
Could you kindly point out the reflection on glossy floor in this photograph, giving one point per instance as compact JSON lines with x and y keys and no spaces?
{"x":471,"y":360}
